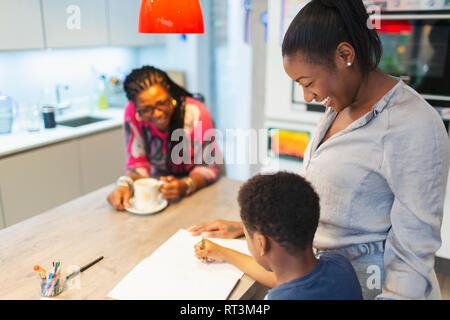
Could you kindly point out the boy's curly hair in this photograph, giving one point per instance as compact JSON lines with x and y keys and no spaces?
{"x":282,"y":206}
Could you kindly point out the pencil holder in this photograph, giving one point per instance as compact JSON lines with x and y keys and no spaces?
{"x":52,"y":287}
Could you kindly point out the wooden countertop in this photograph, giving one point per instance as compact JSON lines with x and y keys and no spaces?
{"x":83,"y":229}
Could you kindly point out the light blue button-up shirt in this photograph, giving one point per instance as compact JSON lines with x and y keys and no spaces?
{"x":384,"y":178}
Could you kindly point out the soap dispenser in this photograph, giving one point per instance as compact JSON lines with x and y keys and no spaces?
{"x":102,"y":101}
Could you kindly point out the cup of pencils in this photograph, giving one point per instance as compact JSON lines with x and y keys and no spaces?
{"x":51,"y":281}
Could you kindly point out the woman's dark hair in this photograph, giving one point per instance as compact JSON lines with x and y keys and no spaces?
{"x":143,"y":78}
{"x":282,"y":206}
{"x":322,"y":25}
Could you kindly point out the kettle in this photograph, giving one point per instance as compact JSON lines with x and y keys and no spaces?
{"x":7,"y":111}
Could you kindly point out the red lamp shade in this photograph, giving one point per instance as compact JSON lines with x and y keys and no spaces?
{"x":171,"y":16}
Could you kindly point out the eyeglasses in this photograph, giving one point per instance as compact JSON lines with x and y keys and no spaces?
{"x":161,"y":106}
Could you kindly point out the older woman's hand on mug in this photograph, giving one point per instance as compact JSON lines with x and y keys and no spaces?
{"x":120,"y":198}
{"x":173,"y":188}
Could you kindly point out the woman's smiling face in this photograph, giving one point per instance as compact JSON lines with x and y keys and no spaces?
{"x":155,"y":106}
{"x":332,"y":87}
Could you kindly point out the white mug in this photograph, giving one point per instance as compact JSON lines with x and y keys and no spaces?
{"x":146,"y":193}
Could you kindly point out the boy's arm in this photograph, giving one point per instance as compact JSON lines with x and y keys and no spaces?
{"x":246,"y":263}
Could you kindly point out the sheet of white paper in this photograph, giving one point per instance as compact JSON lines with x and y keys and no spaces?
{"x":173,"y":272}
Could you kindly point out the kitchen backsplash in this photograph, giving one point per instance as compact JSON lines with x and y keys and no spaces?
{"x":31,"y":76}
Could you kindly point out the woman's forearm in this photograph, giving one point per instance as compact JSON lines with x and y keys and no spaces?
{"x":199,"y":180}
{"x":248,"y":265}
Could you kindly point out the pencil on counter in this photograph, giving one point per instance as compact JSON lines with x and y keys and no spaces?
{"x":84,"y":268}
{"x":203,"y":247}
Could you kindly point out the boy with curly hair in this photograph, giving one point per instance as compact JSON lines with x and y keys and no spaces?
{"x":280,"y":213}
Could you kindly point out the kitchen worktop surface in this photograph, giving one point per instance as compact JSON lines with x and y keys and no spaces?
{"x":21,"y":141}
{"x":87,"y":227}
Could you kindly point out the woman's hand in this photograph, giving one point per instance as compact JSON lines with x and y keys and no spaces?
{"x":218,"y":229}
{"x":211,"y":251}
{"x":173,"y":189}
{"x":120,"y":198}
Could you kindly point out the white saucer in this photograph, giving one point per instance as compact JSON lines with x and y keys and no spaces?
{"x":163,"y":204}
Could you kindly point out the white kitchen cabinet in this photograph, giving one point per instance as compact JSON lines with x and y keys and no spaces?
{"x":123,"y":25}
{"x":37,"y":180}
{"x":102,"y":159}
{"x":75,"y":23}
{"x":20,"y":25}
{"x":40,"y":179}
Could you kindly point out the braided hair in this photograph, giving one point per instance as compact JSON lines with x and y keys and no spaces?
{"x":143,"y":78}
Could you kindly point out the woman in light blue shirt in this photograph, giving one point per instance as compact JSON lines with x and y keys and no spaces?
{"x":379,"y":160}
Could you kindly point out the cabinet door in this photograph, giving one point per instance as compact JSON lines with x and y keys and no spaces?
{"x":123,"y":25}
{"x":20,"y":25}
{"x":102,"y":159}
{"x":75,"y":23}
{"x":38,"y":180}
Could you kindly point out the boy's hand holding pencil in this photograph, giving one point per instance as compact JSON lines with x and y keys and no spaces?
{"x":209,"y":251}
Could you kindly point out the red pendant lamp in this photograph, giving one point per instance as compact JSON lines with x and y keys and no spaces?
{"x":171,"y":16}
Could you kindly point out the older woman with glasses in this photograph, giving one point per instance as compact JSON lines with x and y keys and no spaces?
{"x":160,"y":118}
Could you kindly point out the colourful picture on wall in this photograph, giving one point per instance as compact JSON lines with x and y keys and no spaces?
{"x":288,"y":143}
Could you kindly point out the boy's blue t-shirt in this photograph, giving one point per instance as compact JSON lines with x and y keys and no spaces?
{"x":333,"y":278}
